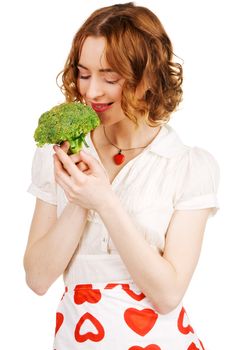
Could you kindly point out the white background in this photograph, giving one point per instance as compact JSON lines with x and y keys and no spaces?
{"x":35,"y":40}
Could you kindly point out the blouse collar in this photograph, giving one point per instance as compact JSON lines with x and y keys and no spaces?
{"x":167,"y":143}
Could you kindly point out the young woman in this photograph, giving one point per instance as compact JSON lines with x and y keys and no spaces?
{"x":124,"y":219}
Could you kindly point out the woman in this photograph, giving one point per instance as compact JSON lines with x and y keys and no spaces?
{"x":124,"y":219}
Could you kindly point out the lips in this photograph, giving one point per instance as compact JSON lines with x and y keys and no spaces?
{"x":101,"y":107}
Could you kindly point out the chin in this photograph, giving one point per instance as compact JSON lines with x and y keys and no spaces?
{"x":107,"y":121}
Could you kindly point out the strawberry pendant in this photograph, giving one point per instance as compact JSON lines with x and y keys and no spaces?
{"x":119,"y":158}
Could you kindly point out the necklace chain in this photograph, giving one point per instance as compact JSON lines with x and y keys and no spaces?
{"x":121,"y":149}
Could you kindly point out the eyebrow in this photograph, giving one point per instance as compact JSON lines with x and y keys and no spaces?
{"x":100,"y":70}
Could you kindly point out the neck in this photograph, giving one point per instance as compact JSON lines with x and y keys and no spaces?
{"x":126,"y":134}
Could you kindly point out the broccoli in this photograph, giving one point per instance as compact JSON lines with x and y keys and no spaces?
{"x":69,"y":121}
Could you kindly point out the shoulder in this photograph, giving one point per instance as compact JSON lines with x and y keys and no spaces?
{"x":195,"y":172}
{"x":195,"y":164}
{"x":43,"y":183}
{"x":171,"y":146}
{"x":197,"y":167}
{"x":42,"y":164}
{"x":197,"y":180}
{"x":46,"y":150}
{"x":42,"y":155}
{"x":197,"y":159}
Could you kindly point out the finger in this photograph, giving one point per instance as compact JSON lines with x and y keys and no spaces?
{"x":75,"y":158}
{"x":58,"y":167}
{"x":63,"y":185}
{"x":65,"y":146}
{"x":91,"y":162}
{"x":82,"y":166}
{"x":61,"y":176}
{"x":70,"y":167}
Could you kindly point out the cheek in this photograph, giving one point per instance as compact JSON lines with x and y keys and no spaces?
{"x":81,"y":87}
{"x":116,"y":93}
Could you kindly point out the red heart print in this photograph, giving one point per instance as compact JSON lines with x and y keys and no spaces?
{"x":66,"y":290}
{"x":183,"y":329}
{"x":140,"y":321}
{"x":59,"y":321}
{"x":127,"y":289}
{"x":192,"y":346}
{"x":134,"y":295}
{"x":148,"y":347}
{"x":89,"y":335}
{"x":201,"y":345}
{"x":84,"y":292}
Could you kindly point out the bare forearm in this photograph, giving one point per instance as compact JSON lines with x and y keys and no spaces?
{"x":153,"y":274}
{"x":46,"y":259}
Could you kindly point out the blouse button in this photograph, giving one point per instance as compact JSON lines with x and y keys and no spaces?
{"x":104,"y":244}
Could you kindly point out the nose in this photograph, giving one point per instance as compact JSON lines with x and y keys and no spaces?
{"x":94,"y":89}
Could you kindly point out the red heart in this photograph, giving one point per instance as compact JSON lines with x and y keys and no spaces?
{"x":89,"y":335}
{"x":192,"y":347}
{"x":127,"y":289}
{"x":59,"y":321}
{"x":201,"y":345}
{"x":134,"y":295}
{"x":66,"y":290}
{"x":183,"y":329}
{"x":148,"y":347}
{"x":140,"y":321}
{"x":84,"y":292}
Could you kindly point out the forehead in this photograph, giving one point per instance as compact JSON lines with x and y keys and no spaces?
{"x":93,"y":53}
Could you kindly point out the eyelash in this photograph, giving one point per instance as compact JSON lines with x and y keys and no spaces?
{"x":109,"y":82}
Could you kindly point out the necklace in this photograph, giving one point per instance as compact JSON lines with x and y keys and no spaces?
{"x":119,"y":158}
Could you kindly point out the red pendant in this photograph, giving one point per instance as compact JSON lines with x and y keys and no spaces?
{"x":119,"y":158}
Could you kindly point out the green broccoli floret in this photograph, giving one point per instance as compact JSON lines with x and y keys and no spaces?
{"x":69,"y":121}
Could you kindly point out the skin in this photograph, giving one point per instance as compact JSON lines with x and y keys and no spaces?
{"x":105,"y":87}
{"x":164,"y":278}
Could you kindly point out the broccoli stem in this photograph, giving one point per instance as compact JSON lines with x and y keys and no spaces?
{"x":76,"y":144}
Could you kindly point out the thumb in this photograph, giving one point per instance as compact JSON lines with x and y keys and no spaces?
{"x":92,"y":162}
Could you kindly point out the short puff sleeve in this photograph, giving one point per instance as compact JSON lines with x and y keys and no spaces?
{"x":43,"y":183}
{"x":199,"y":175}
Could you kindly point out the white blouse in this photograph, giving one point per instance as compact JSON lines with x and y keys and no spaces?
{"x":166,"y":176}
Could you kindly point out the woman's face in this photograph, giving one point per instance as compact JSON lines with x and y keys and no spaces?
{"x":99,"y":85}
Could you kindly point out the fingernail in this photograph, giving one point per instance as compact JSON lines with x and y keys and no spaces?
{"x":56,"y":148}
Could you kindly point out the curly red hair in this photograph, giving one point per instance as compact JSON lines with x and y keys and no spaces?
{"x":137,"y":48}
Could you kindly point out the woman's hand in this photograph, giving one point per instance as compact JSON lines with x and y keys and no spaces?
{"x":74,"y":157}
{"x":83,"y":179}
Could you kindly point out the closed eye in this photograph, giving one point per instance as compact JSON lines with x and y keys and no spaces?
{"x":107,"y":81}
{"x":84,"y":77}
{"x":112,"y":82}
